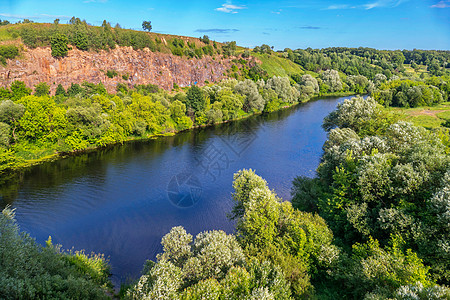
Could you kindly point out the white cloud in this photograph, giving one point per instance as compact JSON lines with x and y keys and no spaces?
{"x":371,"y":5}
{"x":338,"y":6}
{"x":441,"y":4}
{"x":55,"y":16}
{"x":95,"y":1}
{"x":230,"y":8}
{"x":12,"y":16}
{"x":40,"y":16}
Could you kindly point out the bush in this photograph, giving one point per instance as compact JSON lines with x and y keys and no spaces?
{"x":30,"y":271}
{"x":8,"y":51}
{"x":111,"y":73}
{"x":177,"y":52}
{"x":41,"y":89}
{"x":59,"y":45}
{"x":212,"y":266}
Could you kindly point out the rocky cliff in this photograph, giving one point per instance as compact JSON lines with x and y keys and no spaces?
{"x":137,"y":67}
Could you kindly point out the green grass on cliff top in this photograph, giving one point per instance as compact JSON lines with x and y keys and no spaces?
{"x":273,"y":64}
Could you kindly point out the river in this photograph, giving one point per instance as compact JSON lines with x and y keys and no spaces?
{"x":120,"y":201}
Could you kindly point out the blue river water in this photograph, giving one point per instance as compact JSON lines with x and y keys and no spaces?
{"x":120,"y":201}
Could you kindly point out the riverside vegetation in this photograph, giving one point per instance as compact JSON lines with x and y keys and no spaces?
{"x":372,"y":224}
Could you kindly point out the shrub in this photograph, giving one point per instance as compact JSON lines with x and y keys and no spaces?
{"x":8,"y":51}
{"x":111,"y":73}
{"x":30,"y":271}
{"x":59,"y":45}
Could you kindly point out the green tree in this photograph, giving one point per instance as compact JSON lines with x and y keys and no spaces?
{"x":42,"y":120}
{"x":10,"y":113}
{"x":212,"y":265}
{"x":229,"y":48}
{"x":147,"y":25}
{"x":272,"y":230}
{"x":195,"y":99}
{"x":59,"y":45}
{"x":60,"y":91}
{"x":74,"y":89}
{"x":332,"y":80}
{"x":253,"y":100}
{"x":308,"y":86}
{"x":41,"y":89}
{"x":205,"y":39}
{"x":283,"y":88}
{"x":5,"y":130}
{"x":19,"y":90}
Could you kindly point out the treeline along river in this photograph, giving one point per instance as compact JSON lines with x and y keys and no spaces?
{"x":120,"y":201}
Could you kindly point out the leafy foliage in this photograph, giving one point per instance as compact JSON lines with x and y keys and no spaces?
{"x":147,"y":25}
{"x":59,"y":45}
{"x":382,"y":188}
{"x":212,"y":265}
{"x":8,"y":52}
{"x":28,"y":270}
{"x":268,"y":229}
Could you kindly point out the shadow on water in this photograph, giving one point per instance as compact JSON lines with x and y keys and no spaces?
{"x":121,"y":200}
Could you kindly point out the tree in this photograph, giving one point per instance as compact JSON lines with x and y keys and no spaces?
{"x":39,"y":118}
{"x":283,"y":88}
{"x":74,"y":90}
{"x":358,"y":83}
{"x":353,"y":113}
{"x":205,"y":39}
{"x":19,"y":90}
{"x":332,"y":80}
{"x":229,"y":48}
{"x":177,"y":109}
{"x":59,"y":45}
{"x":41,"y":89}
{"x":60,"y":91}
{"x":272,"y":230}
{"x":379,"y":79}
{"x":195,"y":99}
{"x":231,"y":103}
{"x":308,"y":86}
{"x":147,"y":25}
{"x":10,"y":113}
{"x":4,"y":134}
{"x":211,"y":266}
{"x":253,"y":100}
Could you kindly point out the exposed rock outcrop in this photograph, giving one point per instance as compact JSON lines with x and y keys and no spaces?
{"x":142,"y":66}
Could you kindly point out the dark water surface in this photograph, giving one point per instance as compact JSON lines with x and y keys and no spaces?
{"x":122,"y":200}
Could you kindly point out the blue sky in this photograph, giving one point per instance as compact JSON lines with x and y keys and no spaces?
{"x":382,"y":24}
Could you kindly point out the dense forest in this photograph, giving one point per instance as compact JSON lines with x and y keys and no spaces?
{"x":369,"y":62}
{"x":372,"y":224}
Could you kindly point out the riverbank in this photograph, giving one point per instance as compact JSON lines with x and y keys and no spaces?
{"x":23,"y":165}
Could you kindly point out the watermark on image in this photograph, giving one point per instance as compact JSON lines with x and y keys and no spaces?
{"x":184,"y":190}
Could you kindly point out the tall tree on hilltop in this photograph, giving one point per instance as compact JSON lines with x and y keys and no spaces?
{"x":147,"y":25}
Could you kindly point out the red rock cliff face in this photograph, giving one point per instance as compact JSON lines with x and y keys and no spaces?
{"x":142,"y":66}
